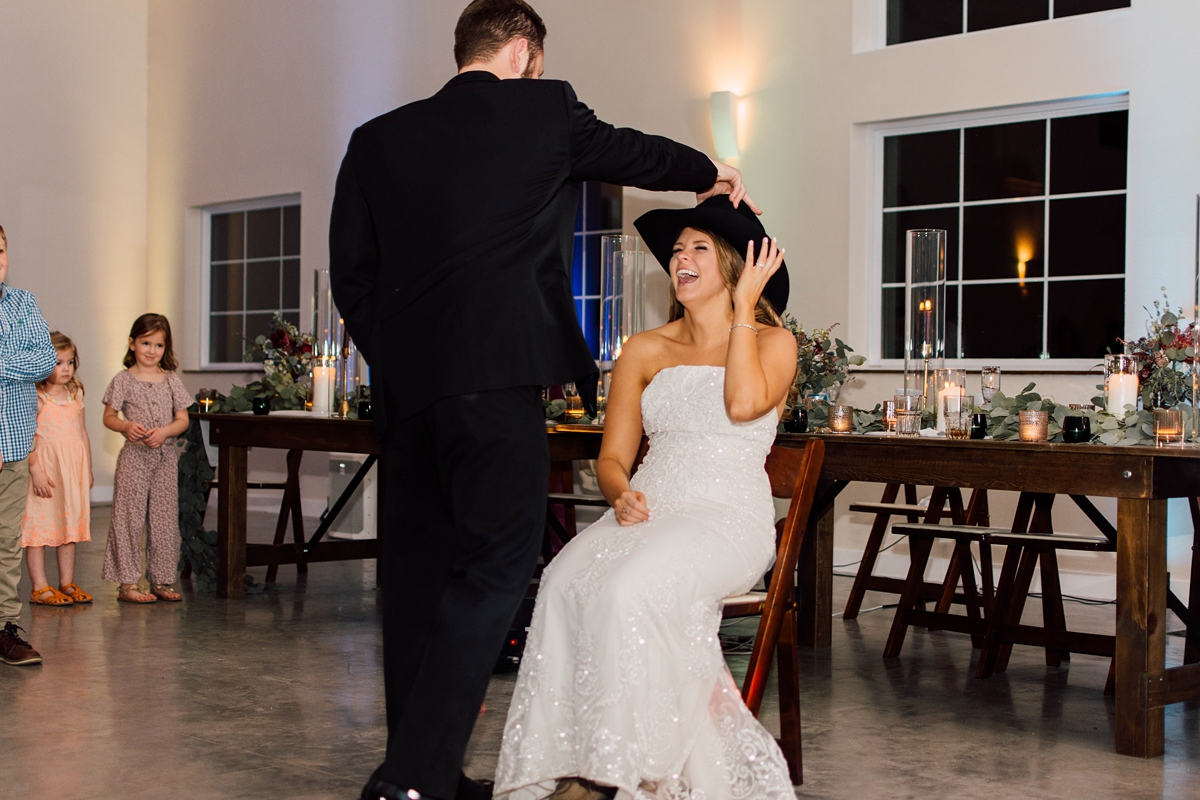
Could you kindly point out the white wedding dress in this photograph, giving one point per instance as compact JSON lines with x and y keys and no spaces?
{"x":623,"y":682}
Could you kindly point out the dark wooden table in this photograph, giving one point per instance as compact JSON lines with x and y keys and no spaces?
{"x":1140,"y":478}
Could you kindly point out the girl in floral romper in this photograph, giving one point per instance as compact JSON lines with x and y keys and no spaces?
{"x":153,"y":402}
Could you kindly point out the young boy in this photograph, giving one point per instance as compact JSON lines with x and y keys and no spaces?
{"x":26,"y":357}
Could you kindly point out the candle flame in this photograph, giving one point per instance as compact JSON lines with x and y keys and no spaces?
{"x":1024,"y":256}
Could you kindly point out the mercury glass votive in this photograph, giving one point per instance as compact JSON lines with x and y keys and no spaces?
{"x":841,"y":419}
{"x":1034,"y":426}
{"x":1168,"y":427}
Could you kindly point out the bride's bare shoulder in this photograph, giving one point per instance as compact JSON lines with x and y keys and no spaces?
{"x":645,"y":352}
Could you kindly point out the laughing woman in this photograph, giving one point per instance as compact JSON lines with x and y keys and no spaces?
{"x":623,"y":690}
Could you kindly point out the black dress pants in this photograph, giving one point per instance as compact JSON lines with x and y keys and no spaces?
{"x":466,"y":489}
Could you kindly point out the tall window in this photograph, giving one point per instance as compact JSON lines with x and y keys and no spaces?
{"x":911,"y":20}
{"x":1034,"y":210}
{"x":252,"y":271}
{"x":599,"y":213}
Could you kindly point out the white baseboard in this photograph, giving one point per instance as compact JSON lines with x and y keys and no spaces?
{"x":1089,"y":585}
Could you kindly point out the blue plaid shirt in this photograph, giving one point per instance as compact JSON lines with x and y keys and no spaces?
{"x":26,"y":357}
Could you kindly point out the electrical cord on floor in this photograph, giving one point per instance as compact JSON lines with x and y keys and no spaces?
{"x":881,"y":550}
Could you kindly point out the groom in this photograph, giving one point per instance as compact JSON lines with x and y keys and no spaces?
{"x":450,"y":246}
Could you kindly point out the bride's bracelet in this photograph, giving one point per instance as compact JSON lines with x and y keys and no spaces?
{"x":743,"y":325}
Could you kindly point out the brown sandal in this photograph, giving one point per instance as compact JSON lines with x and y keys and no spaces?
{"x":56,"y":598}
{"x":73,"y":591}
{"x":164,"y":591}
{"x":131,"y":593}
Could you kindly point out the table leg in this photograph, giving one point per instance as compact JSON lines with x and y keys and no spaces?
{"x":1141,"y":623}
{"x":815,"y":587}
{"x":231,"y":523}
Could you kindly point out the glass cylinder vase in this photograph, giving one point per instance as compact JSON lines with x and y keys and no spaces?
{"x":622,"y":297}
{"x":329,"y":332}
{"x":925,"y":305}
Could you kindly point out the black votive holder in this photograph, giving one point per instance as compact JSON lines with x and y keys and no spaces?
{"x":261,"y":406}
{"x":1077,"y":430}
{"x":364,"y":409}
{"x":978,"y":426}
{"x":798,"y":422}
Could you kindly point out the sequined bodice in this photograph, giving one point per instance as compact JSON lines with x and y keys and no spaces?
{"x":696,"y":453}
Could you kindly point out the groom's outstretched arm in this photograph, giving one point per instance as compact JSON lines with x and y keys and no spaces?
{"x":353,"y":256}
{"x":602,"y":152}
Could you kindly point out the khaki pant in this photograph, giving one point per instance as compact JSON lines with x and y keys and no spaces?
{"x":14,"y":488}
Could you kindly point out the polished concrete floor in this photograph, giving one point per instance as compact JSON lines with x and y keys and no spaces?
{"x":280,"y":695}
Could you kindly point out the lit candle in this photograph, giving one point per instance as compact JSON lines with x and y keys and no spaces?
{"x":1122,"y":389}
{"x":841,"y":419}
{"x":322,"y":400}
{"x":927,"y":310}
{"x":949,"y":389}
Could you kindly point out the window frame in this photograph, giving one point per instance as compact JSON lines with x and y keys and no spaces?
{"x":873,"y":263}
{"x":879,"y":9}
{"x":206,"y":214}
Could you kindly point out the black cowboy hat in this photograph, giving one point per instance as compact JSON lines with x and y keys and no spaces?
{"x":661,"y":227}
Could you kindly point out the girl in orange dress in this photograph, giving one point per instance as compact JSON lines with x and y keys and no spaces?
{"x":58,"y":511}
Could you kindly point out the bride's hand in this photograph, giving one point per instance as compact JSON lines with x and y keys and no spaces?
{"x":630,"y":508}
{"x":756,"y":274}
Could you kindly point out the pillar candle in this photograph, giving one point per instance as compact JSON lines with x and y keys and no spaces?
{"x":1122,"y":390}
{"x":322,"y":400}
{"x":949,"y":390}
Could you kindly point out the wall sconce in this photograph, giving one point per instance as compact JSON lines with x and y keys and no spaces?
{"x":724,"y":109}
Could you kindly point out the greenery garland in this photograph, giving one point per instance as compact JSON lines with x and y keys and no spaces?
{"x":1134,"y":427}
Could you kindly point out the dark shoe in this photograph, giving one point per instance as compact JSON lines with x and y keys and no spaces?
{"x":379,"y":789}
{"x":470,"y":789}
{"x":14,"y":650}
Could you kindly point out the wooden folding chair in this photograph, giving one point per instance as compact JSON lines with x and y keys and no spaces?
{"x":793,"y":472}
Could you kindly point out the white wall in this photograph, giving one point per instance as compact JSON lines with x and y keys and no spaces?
{"x":73,"y":178}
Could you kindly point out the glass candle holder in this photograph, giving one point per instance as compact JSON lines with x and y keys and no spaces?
{"x":261,"y":406}
{"x":948,"y":383}
{"x":798,"y":421}
{"x":956,"y":416}
{"x":908,"y":422}
{"x":324,"y":381}
{"x":989,"y":382}
{"x":1120,"y":383}
{"x":889,"y":415}
{"x":841,"y":419}
{"x":979,"y":426}
{"x":207,"y":398}
{"x":909,"y":402}
{"x":1077,"y":430}
{"x":1168,"y":427}
{"x":1034,"y":426}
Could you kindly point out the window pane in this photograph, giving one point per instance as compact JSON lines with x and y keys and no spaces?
{"x":291,"y":231}
{"x":1086,"y":318}
{"x":611,"y":199}
{"x":591,"y":252}
{"x":577,"y":268}
{"x":226,"y":287}
{"x":291,"y":283}
{"x":262,"y":286}
{"x":984,"y":14}
{"x":1087,"y":236}
{"x":228,"y":236}
{"x":1004,"y":160}
{"x":225,"y":338}
{"x":895,"y":226}
{"x":1069,"y":8}
{"x":292,"y":317}
{"x":256,"y":325}
{"x":911,"y":20}
{"x":920,"y":169}
{"x":893,"y":322}
{"x":952,"y":343}
{"x":262,"y":233}
{"x":999,"y":239}
{"x":1088,"y":153}
{"x":1002,"y":320}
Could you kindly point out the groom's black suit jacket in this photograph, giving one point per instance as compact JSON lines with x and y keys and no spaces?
{"x":450,"y":240}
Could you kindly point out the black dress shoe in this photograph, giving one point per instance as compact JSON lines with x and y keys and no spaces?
{"x":379,"y":789}
{"x":469,"y":789}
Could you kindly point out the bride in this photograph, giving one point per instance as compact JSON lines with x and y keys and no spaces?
{"x":623,"y":689}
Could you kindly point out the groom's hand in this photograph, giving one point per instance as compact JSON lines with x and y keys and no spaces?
{"x":729,"y":181}
{"x":631,"y":508}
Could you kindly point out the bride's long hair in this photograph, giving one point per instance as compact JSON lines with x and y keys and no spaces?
{"x":731,"y":263}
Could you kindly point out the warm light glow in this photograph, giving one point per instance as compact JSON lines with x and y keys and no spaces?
{"x":1024,"y":256}
{"x":723,"y":108}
